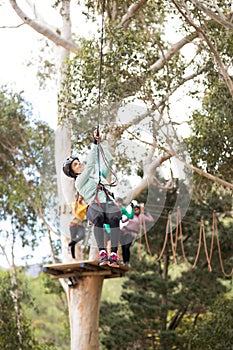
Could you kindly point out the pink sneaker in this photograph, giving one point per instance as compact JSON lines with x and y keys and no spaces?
{"x":103,"y":258}
{"x":114,"y":260}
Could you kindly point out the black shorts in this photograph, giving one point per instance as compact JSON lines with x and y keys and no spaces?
{"x":105,"y":213}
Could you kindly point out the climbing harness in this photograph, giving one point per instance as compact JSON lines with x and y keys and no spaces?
{"x":101,"y":187}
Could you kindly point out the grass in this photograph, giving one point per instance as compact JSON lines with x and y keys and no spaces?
{"x":112,"y":289}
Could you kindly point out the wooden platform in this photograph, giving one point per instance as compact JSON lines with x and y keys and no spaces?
{"x":84,"y":268}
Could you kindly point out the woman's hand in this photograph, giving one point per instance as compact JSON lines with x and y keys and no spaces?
{"x":97,"y":135}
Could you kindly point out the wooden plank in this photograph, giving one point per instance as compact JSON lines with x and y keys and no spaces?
{"x":83,"y":269}
{"x":82,"y":274}
{"x":64,"y":266}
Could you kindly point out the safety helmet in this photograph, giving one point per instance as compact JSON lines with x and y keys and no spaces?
{"x":67,"y":166}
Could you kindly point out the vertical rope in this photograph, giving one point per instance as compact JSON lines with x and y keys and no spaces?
{"x":219,"y":248}
{"x":140,"y":238}
{"x":100,"y":149}
{"x":100,"y":81}
{"x":179,"y":224}
{"x":146,"y":237}
{"x":199,"y":243}
{"x":165,"y":242}
{"x":206,"y":250}
{"x":173,"y":245}
{"x":212,"y":235}
{"x":101,"y":61}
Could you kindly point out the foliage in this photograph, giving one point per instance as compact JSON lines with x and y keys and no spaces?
{"x":211,"y":144}
{"x":128,"y":54}
{"x":50,"y":315}
{"x":11,"y":337}
{"x":159,"y":303}
{"x":213,"y":330}
{"x":25,"y":168}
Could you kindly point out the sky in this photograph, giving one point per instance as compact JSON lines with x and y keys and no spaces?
{"x":19,"y":45}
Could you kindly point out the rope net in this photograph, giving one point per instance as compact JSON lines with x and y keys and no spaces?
{"x":176,"y":235}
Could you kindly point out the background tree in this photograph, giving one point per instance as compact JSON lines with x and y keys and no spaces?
{"x":24,"y":178}
{"x":49,"y":317}
{"x":211,"y":144}
{"x":12,"y":336}
{"x":217,"y":320}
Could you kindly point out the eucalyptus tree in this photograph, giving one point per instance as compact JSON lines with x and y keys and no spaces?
{"x":24,"y":195}
{"x":22,"y":146}
{"x":142,"y":61}
{"x":12,"y":336}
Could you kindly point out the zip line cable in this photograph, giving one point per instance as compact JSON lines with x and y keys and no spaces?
{"x":100,"y":80}
{"x":101,"y":61}
{"x":100,"y":149}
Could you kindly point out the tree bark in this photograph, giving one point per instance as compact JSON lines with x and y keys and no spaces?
{"x":163,"y":317}
{"x":84,"y":304}
{"x":133,"y":8}
{"x":44,"y":29}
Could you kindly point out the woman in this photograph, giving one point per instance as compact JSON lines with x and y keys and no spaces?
{"x":131,"y":230}
{"x":78,"y":223}
{"x":101,"y":209}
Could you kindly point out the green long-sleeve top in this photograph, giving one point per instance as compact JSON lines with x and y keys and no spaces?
{"x":86,"y":183}
{"x":125,"y":212}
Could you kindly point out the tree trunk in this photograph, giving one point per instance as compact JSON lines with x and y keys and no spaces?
{"x":84,"y":304}
{"x":163,"y":318}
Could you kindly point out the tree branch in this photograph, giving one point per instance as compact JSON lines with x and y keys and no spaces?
{"x":213,"y":50}
{"x":172,"y":51}
{"x":5,"y":254}
{"x":133,"y":8}
{"x":201,"y":172}
{"x":149,"y":168}
{"x":219,"y":19}
{"x":44,"y":29}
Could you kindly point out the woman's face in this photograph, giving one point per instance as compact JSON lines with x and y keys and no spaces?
{"x":77,"y":166}
{"x":136,"y":211}
{"x":119,"y":204}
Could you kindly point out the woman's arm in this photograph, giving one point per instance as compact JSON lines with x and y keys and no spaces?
{"x":108,"y":156}
{"x":90,"y":164}
{"x":125,"y":212}
{"x":148,"y":217}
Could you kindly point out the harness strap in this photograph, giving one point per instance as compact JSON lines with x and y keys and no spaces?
{"x":108,"y":194}
{"x":96,"y":194}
